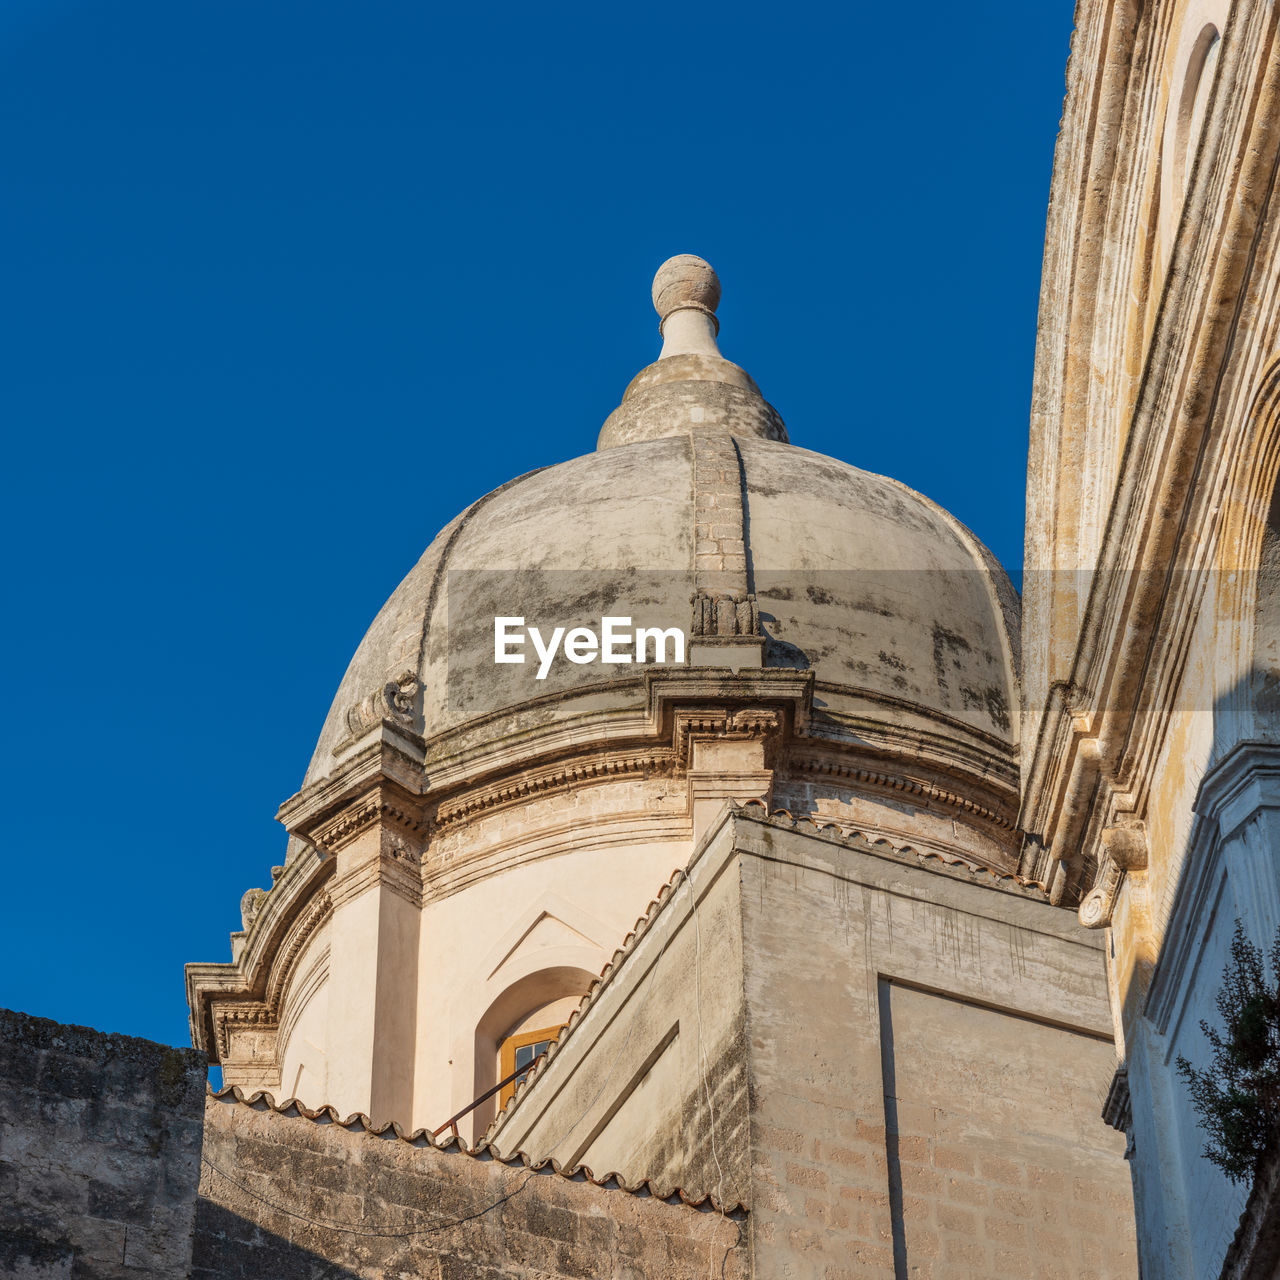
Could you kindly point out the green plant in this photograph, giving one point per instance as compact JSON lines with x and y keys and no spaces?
{"x":1238,"y":1097}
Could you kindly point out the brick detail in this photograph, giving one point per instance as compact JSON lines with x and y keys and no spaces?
{"x":720,"y":552}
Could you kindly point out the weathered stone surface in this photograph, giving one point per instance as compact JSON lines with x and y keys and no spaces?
{"x":284,"y":1196}
{"x":99,"y":1152}
{"x":856,"y":566}
{"x":1151,"y":776}
{"x":851,"y":653}
{"x":895,"y":1065}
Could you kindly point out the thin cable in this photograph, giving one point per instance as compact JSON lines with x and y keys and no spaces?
{"x":358,"y":1231}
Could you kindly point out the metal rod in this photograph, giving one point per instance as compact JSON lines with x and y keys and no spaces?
{"x":452,"y":1121}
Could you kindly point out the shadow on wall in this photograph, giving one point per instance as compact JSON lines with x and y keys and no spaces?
{"x":1212,"y":863}
{"x":228,"y":1245}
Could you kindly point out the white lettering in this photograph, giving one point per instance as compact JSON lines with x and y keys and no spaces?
{"x":502,"y":638}
{"x":581,"y":645}
{"x":659,"y":638}
{"x":545,"y":651}
{"x":613,"y":636}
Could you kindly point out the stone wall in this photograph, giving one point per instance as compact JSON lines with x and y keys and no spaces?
{"x":289,"y":1196}
{"x":99,"y":1153}
{"x":940,"y":1117}
{"x":926,"y":1048}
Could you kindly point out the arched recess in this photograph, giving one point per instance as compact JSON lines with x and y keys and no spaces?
{"x":544,"y":997}
{"x":1191,"y":78}
{"x":1247,"y":599}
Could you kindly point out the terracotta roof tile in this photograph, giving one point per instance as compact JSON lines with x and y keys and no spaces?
{"x":261,"y":1101}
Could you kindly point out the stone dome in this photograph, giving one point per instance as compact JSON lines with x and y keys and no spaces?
{"x":796,"y":633}
{"x":895,"y":607}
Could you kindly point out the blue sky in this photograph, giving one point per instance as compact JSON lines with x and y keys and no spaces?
{"x":289,"y":284}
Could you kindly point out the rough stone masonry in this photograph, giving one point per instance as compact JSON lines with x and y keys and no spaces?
{"x":100,"y":1140}
{"x":116,"y":1164}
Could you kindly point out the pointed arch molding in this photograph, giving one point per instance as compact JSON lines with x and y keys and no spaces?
{"x":590,"y":930}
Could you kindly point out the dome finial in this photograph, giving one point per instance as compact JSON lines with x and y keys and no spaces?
{"x":690,"y":385}
{"x":686,"y":292}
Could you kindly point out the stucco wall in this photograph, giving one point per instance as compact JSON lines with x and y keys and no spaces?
{"x":655,"y":1084}
{"x":99,"y":1153}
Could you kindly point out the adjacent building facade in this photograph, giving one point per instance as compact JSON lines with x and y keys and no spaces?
{"x":1150,"y":608}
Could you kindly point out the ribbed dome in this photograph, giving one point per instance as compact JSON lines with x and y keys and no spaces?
{"x":871,"y":585}
{"x":694,"y":501}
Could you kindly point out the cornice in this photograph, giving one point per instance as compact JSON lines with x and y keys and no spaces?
{"x":1162,"y":519}
{"x":836,"y":768}
{"x":899,"y":730}
{"x":381,"y":784}
{"x":1246,"y":764}
{"x":385,"y":757}
{"x":383,"y":805}
{"x":247,"y":976}
{"x":1117,"y":1109}
{"x":529,"y":783}
{"x":442,"y":880}
{"x":305,"y":926}
{"x":774,"y":704}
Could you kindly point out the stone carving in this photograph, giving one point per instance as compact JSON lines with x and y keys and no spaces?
{"x":251,"y":905}
{"x":230,"y":1018}
{"x":1126,"y":844}
{"x":1095,"y":909}
{"x":349,"y":822}
{"x":1126,"y":851}
{"x":715,"y":722}
{"x":1117,"y":1110}
{"x":725,"y":614}
{"x":532,"y":783}
{"x":897,"y":782}
{"x":397,"y":700}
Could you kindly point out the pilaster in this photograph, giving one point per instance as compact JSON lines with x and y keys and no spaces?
{"x":377,"y":842}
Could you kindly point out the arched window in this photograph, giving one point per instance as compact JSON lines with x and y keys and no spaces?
{"x":520,"y":1049}
{"x":527,"y":1015}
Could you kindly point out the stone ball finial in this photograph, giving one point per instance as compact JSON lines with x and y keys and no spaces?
{"x":686,"y":282}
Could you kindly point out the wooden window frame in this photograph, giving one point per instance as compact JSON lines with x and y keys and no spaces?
{"x":507,"y":1056}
